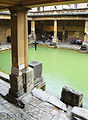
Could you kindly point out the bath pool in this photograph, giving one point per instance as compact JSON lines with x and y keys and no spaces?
{"x":60,"y":67}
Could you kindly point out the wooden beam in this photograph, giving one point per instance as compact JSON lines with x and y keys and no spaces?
{"x":38,"y":3}
{"x":34,"y":3}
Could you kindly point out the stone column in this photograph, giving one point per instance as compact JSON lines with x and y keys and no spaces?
{"x":86,"y":32}
{"x":63,"y":34}
{"x":33,"y":27}
{"x":27,"y":73}
{"x":19,"y":44}
{"x":33,"y":34}
{"x":55,"y":32}
{"x":77,"y":34}
{"x":38,"y":9}
{"x":25,"y":41}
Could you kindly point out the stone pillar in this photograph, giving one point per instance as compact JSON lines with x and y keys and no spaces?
{"x":19,"y":44}
{"x":25,"y":41}
{"x":63,"y":34}
{"x":55,"y":32}
{"x":33,"y":27}
{"x":38,"y":9}
{"x":28,"y":73}
{"x":77,"y":34}
{"x":33,"y":35}
{"x":86,"y":32}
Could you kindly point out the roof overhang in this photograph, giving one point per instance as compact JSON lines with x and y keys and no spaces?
{"x":4,"y":4}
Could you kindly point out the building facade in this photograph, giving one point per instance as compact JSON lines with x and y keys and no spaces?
{"x":62,"y":24}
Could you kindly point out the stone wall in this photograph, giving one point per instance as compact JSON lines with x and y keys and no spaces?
{"x":5,"y":30}
{"x":74,"y":29}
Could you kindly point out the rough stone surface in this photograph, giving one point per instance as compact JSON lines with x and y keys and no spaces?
{"x":38,"y":79}
{"x":71,"y":97}
{"x":37,"y":66}
{"x":29,"y":81}
{"x":35,"y":109}
{"x":80,"y":113}
{"x":4,"y":76}
{"x":58,"y":103}
{"x":6,"y":46}
{"x":40,"y":94}
{"x":16,"y":83}
{"x":48,"y":98}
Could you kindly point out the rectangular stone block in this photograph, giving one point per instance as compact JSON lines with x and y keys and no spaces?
{"x":37,"y":66}
{"x":71,"y":97}
{"x":38,"y":79}
{"x":28,"y":79}
{"x":80,"y":113}
{"x":16,"y":83}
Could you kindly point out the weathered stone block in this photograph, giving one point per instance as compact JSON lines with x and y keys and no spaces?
{"x":56,"y":102}
{"x":71,"y":97}
{"x":28,"y":79}
{"x":42,"y":95}
{"x":37,"y":66}
{"x":38,"y":79}
{"x":16,"y":83}
{"x":80,"y":113}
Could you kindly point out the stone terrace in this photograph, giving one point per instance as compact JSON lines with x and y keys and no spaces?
{"x":60,"y":45}
{"x":35,"y":109}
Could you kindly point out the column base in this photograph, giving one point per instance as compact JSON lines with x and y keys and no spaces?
{"x":16,"y":91}
{"x":16,"y":101}
{"x":16,"y":83}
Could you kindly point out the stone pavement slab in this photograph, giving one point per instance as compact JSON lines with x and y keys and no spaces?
{"x":48,"y":98}
{"x":5,"y":46}
{"x":35,"y":108}
{"x":4,"y":76}
{"x":40,"y":94}
{"x":56,"y":102}
{"x":80,"y":113}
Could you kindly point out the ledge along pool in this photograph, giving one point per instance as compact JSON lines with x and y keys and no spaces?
{"x":60,"y":67}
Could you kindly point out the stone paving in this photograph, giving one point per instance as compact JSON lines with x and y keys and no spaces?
{"x":5,"y":46}
{"x":4,"y":76}
{"x":65,"y":45}
{"x":35,"y":109}
{"x":60,"y":45}
{"x":69,"y":46}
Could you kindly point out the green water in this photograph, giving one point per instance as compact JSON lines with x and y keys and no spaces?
{"x":60,"y":67}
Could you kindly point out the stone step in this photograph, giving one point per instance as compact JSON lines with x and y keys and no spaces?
{"x":4,"y":77}
{"x":80,"y":113}
{"x":56,"y":102}
{"x":42,"y":95}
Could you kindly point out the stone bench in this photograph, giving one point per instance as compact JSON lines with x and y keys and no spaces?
{"x":71,"y":97}
{"x":80,"y":113}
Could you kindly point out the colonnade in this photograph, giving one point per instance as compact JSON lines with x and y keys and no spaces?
{"x":55,"y":29}
{"x":55,"y":23}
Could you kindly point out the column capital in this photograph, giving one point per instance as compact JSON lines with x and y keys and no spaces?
{"x":15,"y":9}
